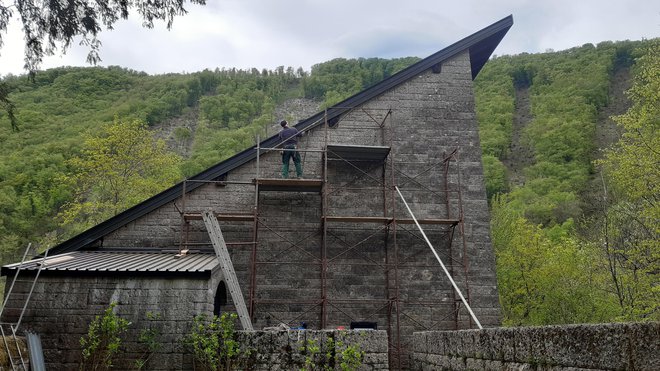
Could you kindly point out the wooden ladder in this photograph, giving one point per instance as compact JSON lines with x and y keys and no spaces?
{"x":218,"y":241}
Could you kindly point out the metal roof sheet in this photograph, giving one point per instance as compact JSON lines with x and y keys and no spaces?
{"x":120,"y":261}
{"x":480,"y":45}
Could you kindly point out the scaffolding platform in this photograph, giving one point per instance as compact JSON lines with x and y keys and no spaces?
{"x":357,"y":153}
{"x":289,"y":185}
{"x":388,"y":220}
{"x":222,"y":217}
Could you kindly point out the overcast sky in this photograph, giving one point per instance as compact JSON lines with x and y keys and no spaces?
{"x":267,"y":34}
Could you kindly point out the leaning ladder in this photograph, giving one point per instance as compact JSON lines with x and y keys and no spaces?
{"x":17,"y":361}
{"x":218,"y":241}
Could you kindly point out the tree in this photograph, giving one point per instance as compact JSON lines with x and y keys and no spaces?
{"x":6,"y":104}
{"x":545,"y":276}
{"x":55,"y":25}
{"x":117,"y":169}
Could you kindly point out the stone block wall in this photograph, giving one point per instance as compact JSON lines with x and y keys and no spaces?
{"x":62,"y":307}
{"x":626,"y":346}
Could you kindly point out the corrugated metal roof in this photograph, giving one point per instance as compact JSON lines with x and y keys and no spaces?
{"x":481,"y":45}
{"x":121,"y":261}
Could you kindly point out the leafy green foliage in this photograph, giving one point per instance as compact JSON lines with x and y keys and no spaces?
{"x":54,"y":25}
{"x":351,"y":357}
{"x":495,"y":94}
{"x":629,"y":226}
{"x":102,"y":342}
{"x":50,"y":26}
{"x":549,"y":271}
{"x":312,"y":351}
{"x":149,"y":339}
{"x":563,"y":87}
{"x":495,"y":175}
{"x":340,"y":78}
{"x":115,"y":170}
{"x":330,"y":355}
{"x":54,"y":118}
{"x":7,"y":105}
{"x":214,"y":344}
{"x":546,"y":276}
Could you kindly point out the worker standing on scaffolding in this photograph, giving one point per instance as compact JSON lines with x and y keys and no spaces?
{"x":289,"y":139}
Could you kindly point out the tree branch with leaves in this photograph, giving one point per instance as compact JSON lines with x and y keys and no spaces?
{"x":115,"y":170}
{"x":49,"y":26}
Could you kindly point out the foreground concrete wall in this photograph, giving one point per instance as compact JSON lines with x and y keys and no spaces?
{"x":628,"y":346}
{"x":62,"y":307}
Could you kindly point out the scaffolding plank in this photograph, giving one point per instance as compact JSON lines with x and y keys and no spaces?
{"x":358,"y":219}
{"x":357,"y":153}
{"x":429,"y":221}
{"x":289,"y":185}
{"x":385,"y":220}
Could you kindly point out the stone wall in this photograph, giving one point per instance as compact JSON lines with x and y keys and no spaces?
{"x":62,"y":307}
{"x":627,"y":346}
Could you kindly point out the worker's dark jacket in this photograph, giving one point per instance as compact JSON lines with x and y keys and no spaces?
{"x":290,"y":136}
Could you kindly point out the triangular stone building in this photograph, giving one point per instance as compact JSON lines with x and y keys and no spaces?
{"x":336,"y":248}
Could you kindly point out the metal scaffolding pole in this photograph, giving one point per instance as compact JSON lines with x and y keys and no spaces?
{"x":458,"y":291}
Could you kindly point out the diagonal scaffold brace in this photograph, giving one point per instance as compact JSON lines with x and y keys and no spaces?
{"x":440,"y":261}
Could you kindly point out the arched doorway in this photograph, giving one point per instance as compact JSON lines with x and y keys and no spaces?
{"x":220,"y":298}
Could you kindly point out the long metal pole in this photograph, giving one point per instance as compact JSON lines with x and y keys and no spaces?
{"x":255,"y":237}
{"x":27,"y":301}
{"x":11,"y":287}
{"x":439,"y":260}
{"x":397,"y":287}
{"x":324,"y":223}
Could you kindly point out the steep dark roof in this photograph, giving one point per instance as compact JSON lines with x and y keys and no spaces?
{"x":480,"y":45}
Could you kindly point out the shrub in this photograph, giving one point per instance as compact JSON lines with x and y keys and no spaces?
{"x":214,"y":344}
{"x":103,"y":340}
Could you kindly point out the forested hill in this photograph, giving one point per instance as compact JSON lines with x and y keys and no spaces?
{"x":566,"y":246}
{"x":577,"y":240}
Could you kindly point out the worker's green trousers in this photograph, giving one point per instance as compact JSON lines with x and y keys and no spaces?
{"x":290,"y":152}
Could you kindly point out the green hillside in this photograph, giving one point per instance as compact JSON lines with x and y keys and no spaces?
{"x":574,"y":243}
{"x":561,"y":240}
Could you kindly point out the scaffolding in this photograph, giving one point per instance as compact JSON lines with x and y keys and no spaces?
{"x":349,"y":172}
